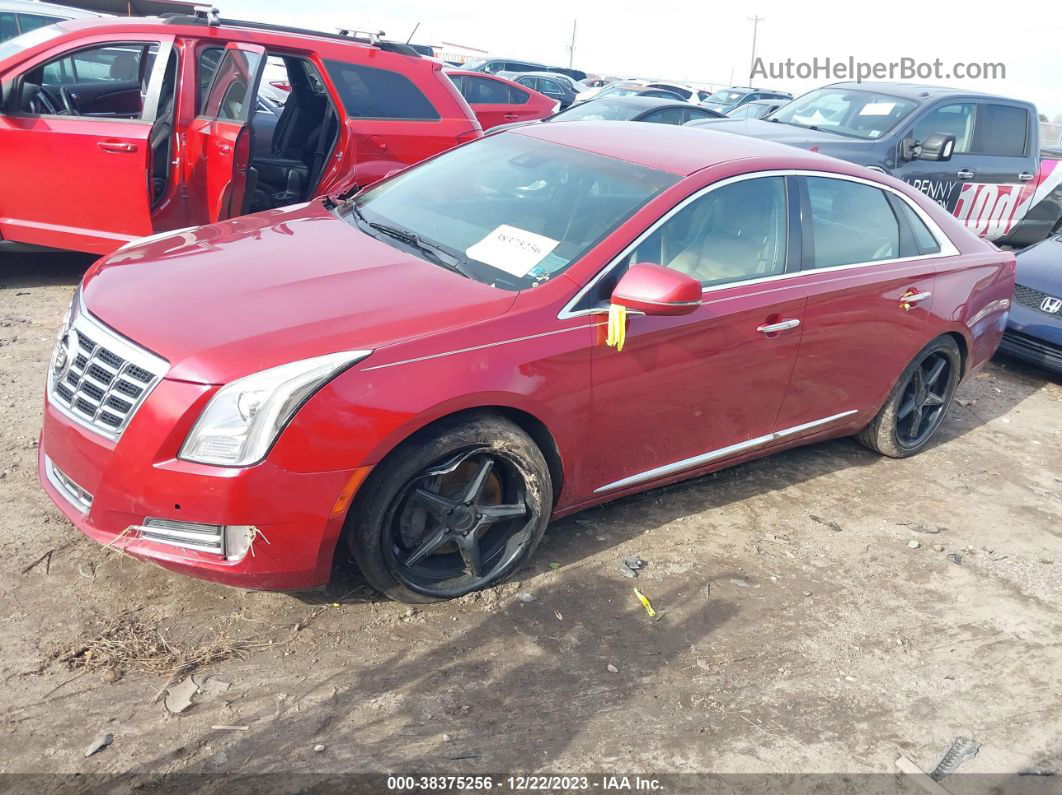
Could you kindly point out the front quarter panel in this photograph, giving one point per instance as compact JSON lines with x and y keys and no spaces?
{"x":527,"y":361}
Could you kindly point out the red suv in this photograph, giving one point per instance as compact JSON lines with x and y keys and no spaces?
{"x":424,"y":372}
{"x":115,"y":129}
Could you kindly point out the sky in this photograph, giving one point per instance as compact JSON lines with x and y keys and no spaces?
{"x":712,"y":43}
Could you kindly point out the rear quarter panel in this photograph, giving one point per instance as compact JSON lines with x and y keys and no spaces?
{"x":973,"y":289}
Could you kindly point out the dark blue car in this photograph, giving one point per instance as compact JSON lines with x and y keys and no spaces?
{"x":1034,"y":330}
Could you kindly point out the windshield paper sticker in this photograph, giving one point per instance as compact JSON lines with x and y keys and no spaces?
{"x":512,"y":250}
{"x":877,"y":109}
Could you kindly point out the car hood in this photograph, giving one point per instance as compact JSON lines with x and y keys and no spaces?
{"x":784,"y":133}
{"x":222,"y":301}
{"x":1040,"y":266}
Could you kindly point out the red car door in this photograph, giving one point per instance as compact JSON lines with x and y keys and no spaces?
{"x":497,"y":101}
{"x":71,"y":179}
{"x":219,"y":138}
{"x":685,"y":392}
{"x":871,"y":271}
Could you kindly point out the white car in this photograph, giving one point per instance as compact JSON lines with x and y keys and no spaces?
{"x":21,"y":16}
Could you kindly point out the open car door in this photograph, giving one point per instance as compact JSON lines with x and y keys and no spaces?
{"x":219,"y":139}
{"x":75,"y":131}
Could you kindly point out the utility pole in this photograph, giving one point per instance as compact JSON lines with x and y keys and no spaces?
{"x":755,"y":20}
{"x":571,"y":48}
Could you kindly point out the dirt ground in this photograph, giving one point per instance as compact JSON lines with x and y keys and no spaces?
{"x":798,"y":630}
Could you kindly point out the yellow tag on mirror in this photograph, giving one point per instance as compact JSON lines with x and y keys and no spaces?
{"x":617,"y":326}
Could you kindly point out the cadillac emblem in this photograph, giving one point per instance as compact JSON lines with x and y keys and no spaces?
{"x":63,"y":356}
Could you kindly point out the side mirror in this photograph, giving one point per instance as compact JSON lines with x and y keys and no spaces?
{"x":656,"y":290}
{"x":937,"y":147}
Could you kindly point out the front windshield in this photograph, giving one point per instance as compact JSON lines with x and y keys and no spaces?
{"x":857,"y":114}
{"x":27,"y":40}
{"x":726,"y":97}
{"x":598,"y":110}
{"x":508,"y":210}
{"x":472,"y":66}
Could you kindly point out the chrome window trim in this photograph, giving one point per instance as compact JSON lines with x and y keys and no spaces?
{"x":715,"y":455}
{"x":947,"y":248}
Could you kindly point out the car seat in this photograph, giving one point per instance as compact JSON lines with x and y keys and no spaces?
{"x":285,"y":170}
{"x":735,"y":234}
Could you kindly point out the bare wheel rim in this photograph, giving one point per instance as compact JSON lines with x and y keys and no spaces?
{"x":459,"y":523}
{"x":924,"y":400}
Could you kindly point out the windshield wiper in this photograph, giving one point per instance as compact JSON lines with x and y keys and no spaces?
{"x":437,"y":253}
{"x":432,"y":250}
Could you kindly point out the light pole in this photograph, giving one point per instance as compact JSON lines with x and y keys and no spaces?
{"x":755,"y":20}
{"x":571,"y":49}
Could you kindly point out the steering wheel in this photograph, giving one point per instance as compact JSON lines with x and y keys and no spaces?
{"x":41,"y":103}
{"x":69,"y":101}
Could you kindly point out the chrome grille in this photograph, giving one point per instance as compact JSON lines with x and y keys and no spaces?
{"x":1031,"y":297}
{"x":98,"y":377}
{"x":75,"y":495}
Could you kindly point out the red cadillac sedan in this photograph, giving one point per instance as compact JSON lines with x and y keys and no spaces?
{"x":540,"y":321}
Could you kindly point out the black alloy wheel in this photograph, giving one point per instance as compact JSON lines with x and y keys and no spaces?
{"x":918,"y":403}
{"x":454,"y":509}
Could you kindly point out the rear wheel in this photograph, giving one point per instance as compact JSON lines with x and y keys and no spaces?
{"x":917,"y":405}
{"x":451,"y":512}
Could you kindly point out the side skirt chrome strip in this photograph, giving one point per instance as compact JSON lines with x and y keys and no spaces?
{"x":722,"y":452}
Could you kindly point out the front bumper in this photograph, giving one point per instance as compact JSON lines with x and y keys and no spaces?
{"x":1034,"y":337}
{"x":106,"y":488}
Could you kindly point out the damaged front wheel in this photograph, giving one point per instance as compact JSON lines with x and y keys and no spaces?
{"x":451,"y":511}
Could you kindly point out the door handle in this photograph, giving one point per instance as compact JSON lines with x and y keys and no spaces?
{"x":116,"y":147}
{"x":224,"y":148}
{"x":511,"y":116}
{"x":781,"y":325}
{"x":965,"y":173}
{"x":1025,"y":176}
{"x":911,"y":297}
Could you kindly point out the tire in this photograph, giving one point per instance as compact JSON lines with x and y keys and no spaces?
{"x":893,"y":432}
{"x":419,"y":534}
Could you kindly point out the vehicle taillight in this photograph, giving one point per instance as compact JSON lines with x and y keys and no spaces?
{"x":471,"y":135}
{"x":283,"y":85}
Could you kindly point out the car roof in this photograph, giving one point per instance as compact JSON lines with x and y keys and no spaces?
{"x":916,"y":91}
{"x":667,"y":147}
{"x":183,"y":24}
{"x":48,"y":9}
{"x":561,"y":75}
{"x":645,"y":103}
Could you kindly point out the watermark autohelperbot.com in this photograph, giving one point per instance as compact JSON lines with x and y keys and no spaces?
{"x":902,"y":69}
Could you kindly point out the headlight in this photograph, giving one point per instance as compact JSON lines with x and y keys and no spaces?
{"x":244,"y":418}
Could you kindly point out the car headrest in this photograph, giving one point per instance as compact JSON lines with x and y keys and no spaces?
{"x":125,"y":67}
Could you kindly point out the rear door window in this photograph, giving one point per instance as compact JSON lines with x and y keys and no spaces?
{"x":484,"y":91}
{"x":851,"y":223}
{"x":371,"y":93}
{"x":28,"y":22}
{"x":549,"y":86}
{"x":231,"y":92}
{"x":8,"y":26}
{"x":1001,"y":130}
{"x":667,"y":116}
